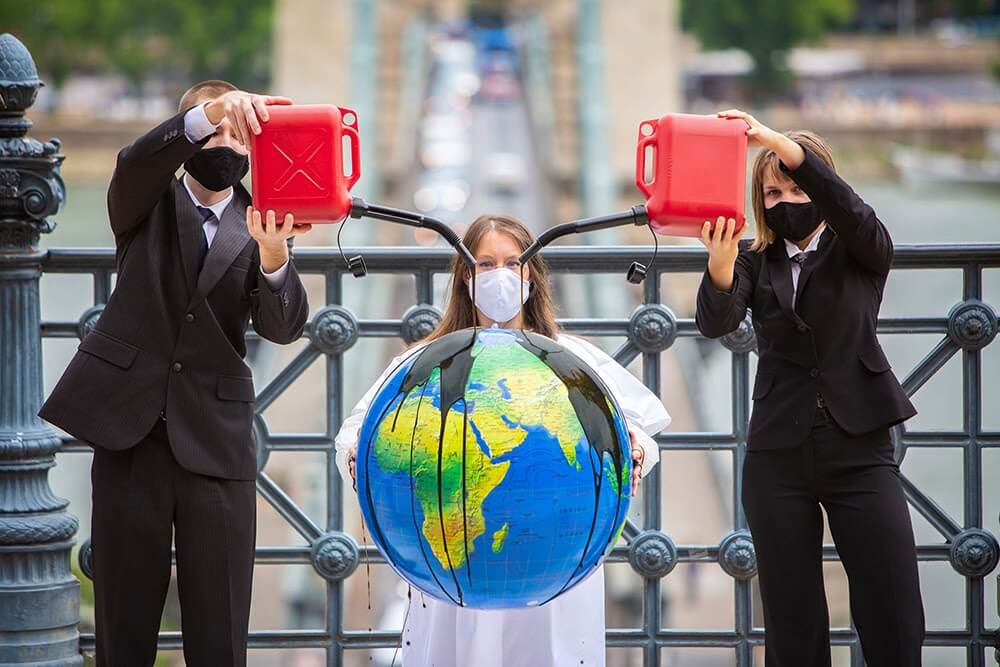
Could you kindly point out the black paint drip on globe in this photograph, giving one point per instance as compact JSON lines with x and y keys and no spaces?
{"x":452,"y":356}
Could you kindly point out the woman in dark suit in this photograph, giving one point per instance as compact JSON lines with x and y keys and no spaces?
{"x":824,"y":399}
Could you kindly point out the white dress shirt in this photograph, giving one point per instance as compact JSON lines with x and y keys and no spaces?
{"x":792,"y":251}
{"x":569,"y":630}
{"x":197,"y":126}
{"x":211,"y":226}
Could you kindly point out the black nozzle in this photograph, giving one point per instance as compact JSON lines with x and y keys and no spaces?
{"x":357,"y":266}
{"x":636,"y":273}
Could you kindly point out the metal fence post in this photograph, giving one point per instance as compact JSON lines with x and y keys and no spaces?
{"x":39,"y":597}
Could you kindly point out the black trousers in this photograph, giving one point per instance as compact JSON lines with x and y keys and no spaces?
{"x":856,"y":480}
{"x":143,"y":500}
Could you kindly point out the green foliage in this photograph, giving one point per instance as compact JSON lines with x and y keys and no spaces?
{"x":963,"y":8}
{"x":53,"y":31}
{"x":189,"y":39}
{"x":224,"y":40}
{"x":766,"y":30}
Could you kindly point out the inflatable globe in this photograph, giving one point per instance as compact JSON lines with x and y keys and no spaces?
{"x":493,"y":469}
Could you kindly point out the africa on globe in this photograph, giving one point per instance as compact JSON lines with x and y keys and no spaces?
{"x":493,"y":469}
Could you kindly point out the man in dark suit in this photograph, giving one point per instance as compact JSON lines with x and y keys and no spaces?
{"x":160,"y":387}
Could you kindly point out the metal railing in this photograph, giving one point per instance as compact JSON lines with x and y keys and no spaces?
{"x":650,"y":330}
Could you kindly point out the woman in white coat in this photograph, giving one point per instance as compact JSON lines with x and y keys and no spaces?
{"x":569,"y":630}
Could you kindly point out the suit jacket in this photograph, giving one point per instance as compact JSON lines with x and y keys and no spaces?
{"x":171,"y":340}
{"x":826,"y":344}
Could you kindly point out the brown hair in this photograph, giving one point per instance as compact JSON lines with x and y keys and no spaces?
{"x":204,"y":90}
{"x":767,"y":164}
{"x":539,"y":312}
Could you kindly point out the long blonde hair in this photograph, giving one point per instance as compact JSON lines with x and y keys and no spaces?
{"x":539,"y":311}
{"x":767,"y":164}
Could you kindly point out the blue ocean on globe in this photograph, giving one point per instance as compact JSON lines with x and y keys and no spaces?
{"x":493,"y":469}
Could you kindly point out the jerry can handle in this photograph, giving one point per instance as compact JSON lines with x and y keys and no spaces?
{"x":640,"y":157}
{"x":351,"y":130}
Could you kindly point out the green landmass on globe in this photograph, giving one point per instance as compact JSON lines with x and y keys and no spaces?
{"x":509,"y":380}
{"x":499,"y":537}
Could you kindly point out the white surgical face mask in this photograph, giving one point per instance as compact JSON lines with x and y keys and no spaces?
{"x":500,"y":294}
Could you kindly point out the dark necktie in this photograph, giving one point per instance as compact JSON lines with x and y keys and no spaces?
{"x":799,"y":258}
{"x":206,"y":216}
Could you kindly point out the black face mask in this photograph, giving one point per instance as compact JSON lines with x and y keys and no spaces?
{"x":793,"y":222}
{"x":217,"y":168}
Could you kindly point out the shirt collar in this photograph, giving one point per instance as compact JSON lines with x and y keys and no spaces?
{"x":217,"y":208}
{"x":793,"y":249}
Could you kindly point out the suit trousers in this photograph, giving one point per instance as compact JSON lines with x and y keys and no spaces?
{"x":142,"y":501}
{"x":856,"y":481}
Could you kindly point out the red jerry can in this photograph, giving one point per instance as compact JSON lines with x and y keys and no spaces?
{"x":297,"y":162}
{"x":698,"y":171}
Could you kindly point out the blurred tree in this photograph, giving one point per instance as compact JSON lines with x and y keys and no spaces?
{"x":494,"y":7}
{"x":964,"y":8}
{"x":56,"y":32}
{"x":996,"y":68}
{"x":766,"y":30}
{"x":128,"y":31}
{"x":228,"y":39}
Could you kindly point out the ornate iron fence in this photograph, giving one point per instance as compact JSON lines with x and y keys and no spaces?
{"x":650,"y":330}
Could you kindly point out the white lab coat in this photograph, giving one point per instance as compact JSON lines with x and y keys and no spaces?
{"x":568,"y":630}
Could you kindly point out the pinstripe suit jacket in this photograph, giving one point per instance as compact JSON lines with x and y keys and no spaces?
{"x":170,"y":339}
